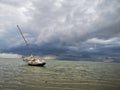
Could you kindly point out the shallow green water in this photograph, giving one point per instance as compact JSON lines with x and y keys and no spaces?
{"x":59,"y":75}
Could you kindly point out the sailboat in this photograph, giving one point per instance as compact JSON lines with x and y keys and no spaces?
{"x":31,"y":60}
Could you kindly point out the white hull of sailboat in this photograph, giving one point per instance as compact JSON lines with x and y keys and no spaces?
{"x":34,"y":61}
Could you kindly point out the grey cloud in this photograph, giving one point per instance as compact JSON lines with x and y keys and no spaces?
{"x":15,"y":3}
{"x":78,"y":19}
{"x":67,"y":23}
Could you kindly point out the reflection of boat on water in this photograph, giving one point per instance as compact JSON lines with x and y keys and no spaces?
{"x":31,"y":60}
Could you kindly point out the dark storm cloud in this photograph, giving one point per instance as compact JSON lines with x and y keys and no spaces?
{"x":68,"y":25}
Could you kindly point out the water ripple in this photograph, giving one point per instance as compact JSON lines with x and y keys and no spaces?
{"x":59,"y":75}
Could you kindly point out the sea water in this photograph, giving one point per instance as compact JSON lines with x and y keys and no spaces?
{"x":59,"y":75}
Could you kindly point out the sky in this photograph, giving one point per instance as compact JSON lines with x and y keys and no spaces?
{"x":61,"y":27}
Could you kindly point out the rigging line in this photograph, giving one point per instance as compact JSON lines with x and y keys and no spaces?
{"x":24,"y":40}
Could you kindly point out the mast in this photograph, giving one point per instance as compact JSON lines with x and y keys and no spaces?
{"x":27,"y":45}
